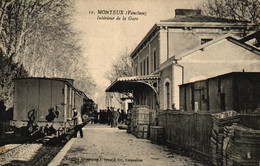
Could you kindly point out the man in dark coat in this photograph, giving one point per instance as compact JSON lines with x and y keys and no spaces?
{"x":115,"y":116}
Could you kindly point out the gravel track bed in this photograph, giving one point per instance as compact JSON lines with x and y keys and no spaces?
{"x":30,"y":154}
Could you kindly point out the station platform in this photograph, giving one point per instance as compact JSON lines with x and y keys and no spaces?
{"x":103,"y":145}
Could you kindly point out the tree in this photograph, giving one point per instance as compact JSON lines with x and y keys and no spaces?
{"x":234,"y":9}
{"x":8,"y":71}
{"x":54,"y":50}
{"x":37,"y":36}
{"x":121,"y":67}
{"x":17,"y":20}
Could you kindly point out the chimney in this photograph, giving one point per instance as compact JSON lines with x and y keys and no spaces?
{"x":187,"y":12}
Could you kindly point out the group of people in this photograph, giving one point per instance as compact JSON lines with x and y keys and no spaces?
{"x":109,"y":116}
{"x":112,"y":116}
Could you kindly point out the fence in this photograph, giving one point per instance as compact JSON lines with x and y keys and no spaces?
{"x":190,"y":131}
{"x":193,"y":131}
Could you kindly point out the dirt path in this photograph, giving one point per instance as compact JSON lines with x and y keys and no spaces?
{"x":103,"y":145}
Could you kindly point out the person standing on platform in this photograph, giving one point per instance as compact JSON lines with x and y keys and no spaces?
{"x":118,"y":116}
{"x":78,"y":122}
{"x":109,"y":116}
{"x":115,"y":116}
{"x":112,"y":117}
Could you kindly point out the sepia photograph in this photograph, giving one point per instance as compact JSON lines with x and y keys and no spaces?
{"x":130,"y":82}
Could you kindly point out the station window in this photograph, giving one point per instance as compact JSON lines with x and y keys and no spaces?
{"x":144,"y":66}
{"x":167,"y":94}
{"x":154,"y":60}
{"x":141,"y":69}
{"x":147,"y":61}
{"x":167,"y":85}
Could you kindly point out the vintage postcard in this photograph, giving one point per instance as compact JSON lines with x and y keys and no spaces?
{"x":133,"y":82}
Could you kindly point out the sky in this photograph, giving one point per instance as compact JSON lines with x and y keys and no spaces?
{"x":104,"y":40}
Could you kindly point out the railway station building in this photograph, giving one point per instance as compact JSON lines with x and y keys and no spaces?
{"x":185,"y":48}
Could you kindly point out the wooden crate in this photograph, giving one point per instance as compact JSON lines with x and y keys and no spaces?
{"x":141,"y":131}
{"x":142,"y":128}
{"x":141,"y":134}
{"x":157,"y":134}
{"x":142,"y":117}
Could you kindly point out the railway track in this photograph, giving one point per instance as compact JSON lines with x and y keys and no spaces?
{"x":31,"y":154}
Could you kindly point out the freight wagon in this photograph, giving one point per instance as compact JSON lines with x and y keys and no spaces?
{"x":44,"y":105}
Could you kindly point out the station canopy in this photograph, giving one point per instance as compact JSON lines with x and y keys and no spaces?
{"x":132,"y":83}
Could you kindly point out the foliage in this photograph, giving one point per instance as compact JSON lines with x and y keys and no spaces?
{"x":38,"y":34}
{"x":8,"y":71}
{"x":17,"y":20}
{"x":121,"y":67}
{"x":234,"y":9}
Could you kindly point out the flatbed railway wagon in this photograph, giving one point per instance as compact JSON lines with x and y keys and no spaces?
{"x":44,"y":105}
